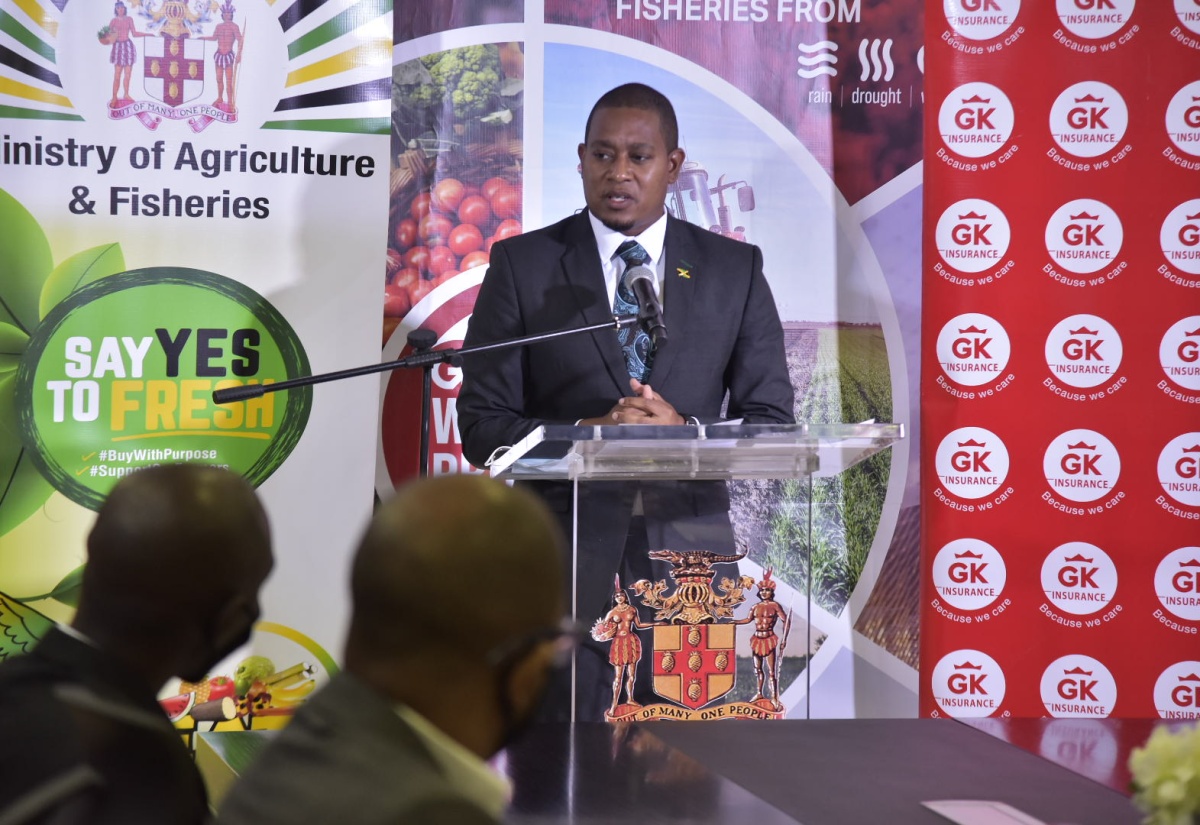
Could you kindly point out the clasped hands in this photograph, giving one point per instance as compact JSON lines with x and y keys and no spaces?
{"x":645,"y":406}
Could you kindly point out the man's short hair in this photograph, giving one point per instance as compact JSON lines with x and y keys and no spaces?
{"x":639,"y":96}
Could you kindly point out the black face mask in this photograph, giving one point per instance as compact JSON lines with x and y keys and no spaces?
{"x":507,"y":657}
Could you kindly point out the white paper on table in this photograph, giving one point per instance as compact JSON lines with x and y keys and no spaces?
{"x":980,"y":812}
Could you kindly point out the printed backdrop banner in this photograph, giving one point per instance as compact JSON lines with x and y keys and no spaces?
{"x":1061,"y":391}
{"x":193,"y":198}
{"x":801,"y":122}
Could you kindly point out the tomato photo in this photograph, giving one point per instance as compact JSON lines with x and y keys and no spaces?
{"x":465,"y":239}
{"x":434,"y":229}
{"x":488,"y":190}
{"x":396,"y":300}
{"x":506,"y":202}
{"x":442,"y":260}
{"x":448,"y":194}
{"x":475,"y":210}
{"x":421,"y":205}
{"x":474,"y":259}
{"x":405,"y":233}
{"x":507,"y":229}
{"x":417,"y":258}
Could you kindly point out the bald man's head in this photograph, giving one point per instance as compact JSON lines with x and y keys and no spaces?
{"x":178,"y":552}
{"x":454,"y":567}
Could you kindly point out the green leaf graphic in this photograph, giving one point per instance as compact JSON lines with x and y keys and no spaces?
{"x":67,"y":591}
{"x":25,"y":261}
{"x":21,"y":627}
{"x":12,"y":344}
{"x":78,"y":270}
{"x":22,"y":488}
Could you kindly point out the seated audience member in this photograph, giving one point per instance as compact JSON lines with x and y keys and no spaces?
{"x":456,"y":590}
{"x":175,"y":561}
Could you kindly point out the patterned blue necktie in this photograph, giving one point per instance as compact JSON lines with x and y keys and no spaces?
{"x":635,"y":343}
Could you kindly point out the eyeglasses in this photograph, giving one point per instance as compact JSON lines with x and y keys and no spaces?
{"x":565,"y":636}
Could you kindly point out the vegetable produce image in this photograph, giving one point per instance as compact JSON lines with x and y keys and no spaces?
{"x":456,"y":175}
{"x":467,"y":78}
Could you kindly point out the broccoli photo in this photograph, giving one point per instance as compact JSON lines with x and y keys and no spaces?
{"x":469,"y":78}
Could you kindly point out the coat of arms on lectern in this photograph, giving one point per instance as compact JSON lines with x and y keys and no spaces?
{"x":694,"y":642}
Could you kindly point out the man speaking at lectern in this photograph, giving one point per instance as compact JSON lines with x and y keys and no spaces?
{"x":724,"y":337}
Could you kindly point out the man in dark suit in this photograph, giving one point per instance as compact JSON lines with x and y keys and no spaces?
{"x":725,"y":354}
{"x":457,"y":603}
{"x":175,"y":561}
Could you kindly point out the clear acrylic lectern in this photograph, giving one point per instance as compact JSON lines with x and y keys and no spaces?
{"x":693,"y":559}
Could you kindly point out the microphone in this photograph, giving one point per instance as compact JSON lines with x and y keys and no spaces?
{"x":640,"y":281}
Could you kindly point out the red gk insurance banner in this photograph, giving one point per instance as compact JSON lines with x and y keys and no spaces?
{"x":1061,"y":370}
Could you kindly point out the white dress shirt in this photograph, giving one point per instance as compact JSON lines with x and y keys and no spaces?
{"x":652,"y":240}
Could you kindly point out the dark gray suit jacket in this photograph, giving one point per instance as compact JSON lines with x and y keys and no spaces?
{"x":347,"y":758}
{"x":721,"y":320}
{"x":725,"y":337}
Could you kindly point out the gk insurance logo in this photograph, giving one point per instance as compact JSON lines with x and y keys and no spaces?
{"x":980,"y":19}
{"x":1083,"y":351}
{"x":1079,"y":578}
{"x":1188,"y":12}
{"x":1078,"y":686}
{"x":1177,"y":583}
{"x":1081,"y":465}
{"x":976,"y":120}
{"x":972,"y":235}
{"x":972,"y":462}
{"x":1088,"y":119}
{"x":1183,"y":119}
{"x":1094,"y":19}
{"x":1177,"y":691}
{"x":1179,"y":353}
{"x":968,"y":683}
{"x":969,"y":574}
{"x":973,"y":349}
{"x":1084,"y":236}
{"x":1179,"y":469}
{"x":1180,"y":237}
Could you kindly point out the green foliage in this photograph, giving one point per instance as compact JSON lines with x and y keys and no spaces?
{"x":21,"y":627}
{"x":12,"y":344}
{"x":469,"y":78}
{"x":29,"y":289}
{"x":22,"y":488}
{"x":78,"y":270}
{"x":850,"y":382}
{"x":25,"y":261}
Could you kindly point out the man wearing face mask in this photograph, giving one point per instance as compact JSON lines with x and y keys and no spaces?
{"x":175,"y":561}
{"x":457,"y":602}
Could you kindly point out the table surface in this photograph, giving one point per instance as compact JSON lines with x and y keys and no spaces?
{"x":813,"y":772}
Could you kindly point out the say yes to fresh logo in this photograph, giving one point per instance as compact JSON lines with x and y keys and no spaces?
{"x":975,"y":120}
{"x":120,"y":375}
